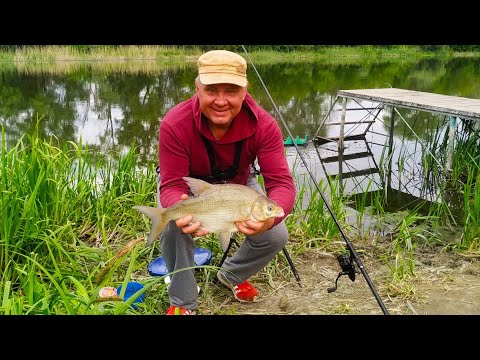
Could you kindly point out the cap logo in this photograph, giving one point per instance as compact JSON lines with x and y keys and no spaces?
{"x":241,"y":70}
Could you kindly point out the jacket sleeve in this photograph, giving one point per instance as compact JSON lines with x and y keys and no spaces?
{"x":278,"y":180}
{"x":174,"y":163}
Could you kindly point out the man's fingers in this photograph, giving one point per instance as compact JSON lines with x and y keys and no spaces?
{"x":243,"y":227}
{"x":249,"y":227}
{"x":200,"y":232}
{"x":184,"y":221}
{"x":191,"y":227}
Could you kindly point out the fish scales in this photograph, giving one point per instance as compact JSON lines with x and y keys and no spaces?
{"x":216,"y":206}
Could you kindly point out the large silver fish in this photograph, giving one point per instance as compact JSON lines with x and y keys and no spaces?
{"x":216,"y":206}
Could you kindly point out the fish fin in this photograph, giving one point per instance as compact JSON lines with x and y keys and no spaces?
{"x":158,"y":221}
{"x":225,"y":240}
{"x":197,"y":186}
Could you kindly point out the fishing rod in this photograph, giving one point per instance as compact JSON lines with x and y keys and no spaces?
{"x":346,"y":263}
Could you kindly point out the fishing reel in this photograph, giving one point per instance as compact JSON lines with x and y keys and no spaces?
{"x":348,"y":268}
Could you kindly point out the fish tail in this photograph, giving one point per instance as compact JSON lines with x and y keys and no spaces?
{"x":159,"y":221}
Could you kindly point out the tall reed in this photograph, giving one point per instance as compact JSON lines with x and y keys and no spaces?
{"x":62,"y":211}
{"x":471,"y":197}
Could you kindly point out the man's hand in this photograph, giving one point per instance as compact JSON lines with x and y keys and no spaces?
{"x":250,"y":227}
{"x":187,"y":226}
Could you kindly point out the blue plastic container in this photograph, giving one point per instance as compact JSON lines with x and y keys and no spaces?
{"x":132,"y":288}
{"x":158,"y":268}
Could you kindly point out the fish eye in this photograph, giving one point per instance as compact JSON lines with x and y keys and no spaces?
{"x":269,"y":208}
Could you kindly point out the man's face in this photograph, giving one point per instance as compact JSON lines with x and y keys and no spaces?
{"x":220,"y":103}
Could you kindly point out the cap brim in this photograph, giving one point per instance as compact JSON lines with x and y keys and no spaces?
{"x":219,"y":78}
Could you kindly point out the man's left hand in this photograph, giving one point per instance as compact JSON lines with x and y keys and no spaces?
{"x":250,"y":227}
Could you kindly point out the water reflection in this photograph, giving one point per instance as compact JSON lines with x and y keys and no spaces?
{"x":112,"y":108}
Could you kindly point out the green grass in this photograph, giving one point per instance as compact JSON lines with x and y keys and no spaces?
{"x":52,"y":53}
{"x":152,"y":58}
{"x":67,"y":228}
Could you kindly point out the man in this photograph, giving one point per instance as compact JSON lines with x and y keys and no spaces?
{"x":216,"y":135}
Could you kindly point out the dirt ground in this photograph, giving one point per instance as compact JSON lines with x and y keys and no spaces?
{"x":446,"y":283}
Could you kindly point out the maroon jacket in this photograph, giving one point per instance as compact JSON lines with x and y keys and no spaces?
{"x":182,"y":152}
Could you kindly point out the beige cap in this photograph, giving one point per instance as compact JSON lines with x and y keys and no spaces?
{"x":221,"y":66}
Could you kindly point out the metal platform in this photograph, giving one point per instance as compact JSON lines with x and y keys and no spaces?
{"x":392,"y":98}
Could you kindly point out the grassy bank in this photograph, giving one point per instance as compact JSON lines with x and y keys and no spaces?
{"x":68,"y":229}
{"x":190,"y":53}
{"x":154,"y":59}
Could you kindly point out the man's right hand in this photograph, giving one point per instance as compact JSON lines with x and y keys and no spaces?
{"x":187,"y":226}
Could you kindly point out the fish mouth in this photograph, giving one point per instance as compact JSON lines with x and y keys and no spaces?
{"x":281,"y":213}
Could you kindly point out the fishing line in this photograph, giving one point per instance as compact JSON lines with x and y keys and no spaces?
{"x":345,"y":263}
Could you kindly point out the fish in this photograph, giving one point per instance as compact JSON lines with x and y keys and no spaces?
{"x":216,"y":206}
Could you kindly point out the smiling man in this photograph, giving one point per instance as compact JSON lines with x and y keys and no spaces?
{"x":216,"y":136}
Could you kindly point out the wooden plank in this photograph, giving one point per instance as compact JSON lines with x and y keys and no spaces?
{"x":438,"y":103}
{"x":363,"y":172}
{"x":319,"y":140}
{"x":351,"y":122}
{"x":330,"y":159}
